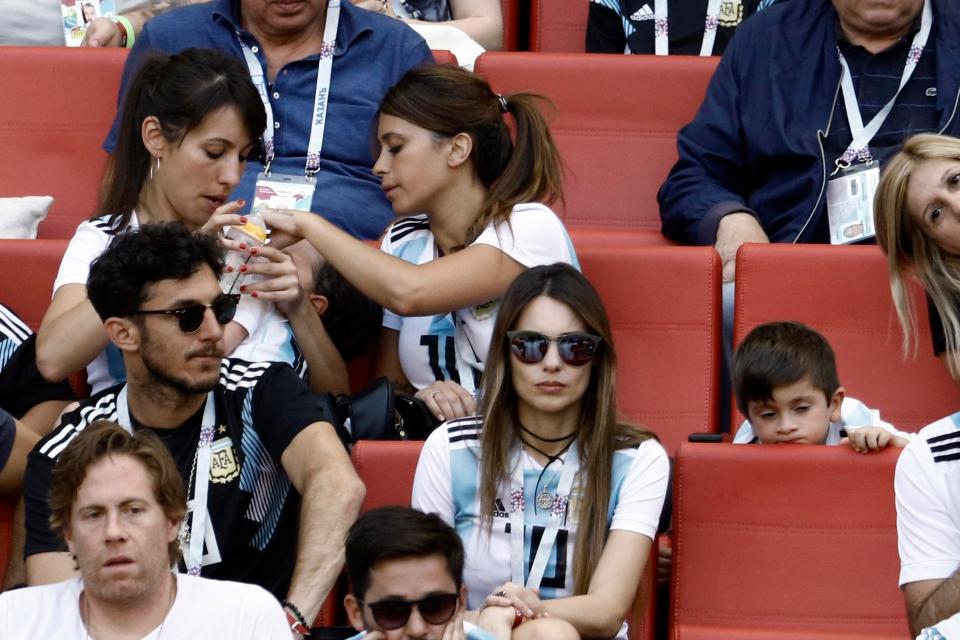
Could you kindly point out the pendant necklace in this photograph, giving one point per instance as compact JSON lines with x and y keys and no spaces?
{"x":545,"y":499}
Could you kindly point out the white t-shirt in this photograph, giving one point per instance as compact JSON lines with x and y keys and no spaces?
{"x":853,"y":415}
{"x":453,"y":346}
{"x":948,"y":629}
{"x":269,"y":338}
{"x":927,"y":487}
{"x":203,"y":610}
{"x":447,"y":483}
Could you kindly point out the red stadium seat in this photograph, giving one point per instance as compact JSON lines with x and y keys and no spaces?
{"x":844,"y":293}
{"x":6,"y":524}
{"x":55,"y":111}
{"x":31,"y":267}
{"x":510,"y":10}
{"x":442,"y":56}
{"x":558,"y":25}
{"x":785,"y":543}
{"x":616,"y":136}
{"x":664,"y":309}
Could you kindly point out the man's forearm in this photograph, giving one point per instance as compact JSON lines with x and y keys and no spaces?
{"x":331,"y":502}
{"x":940,"y":604}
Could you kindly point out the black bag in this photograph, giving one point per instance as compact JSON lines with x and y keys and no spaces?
{"x":377,"y":413}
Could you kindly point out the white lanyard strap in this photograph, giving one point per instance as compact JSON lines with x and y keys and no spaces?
{"x":859,"y":148}
{"x":558,"y":512}
{"x":661,"y":28}
{"x":321,"y":97}
{"x":201,"y":484}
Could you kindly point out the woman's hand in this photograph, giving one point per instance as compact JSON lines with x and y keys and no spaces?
{"x":447,"y":400}
{"x":285,"y":225}
{"x":280,"y":283}
{"x":526,"y":601}
{"x":226,"y":215}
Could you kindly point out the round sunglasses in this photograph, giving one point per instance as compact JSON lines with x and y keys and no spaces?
{"x":577,"y":348}
{"x":393,"y":613}
{"x":190,"y":317}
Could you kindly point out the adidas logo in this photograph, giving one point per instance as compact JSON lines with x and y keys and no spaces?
{"x":643,"y":13}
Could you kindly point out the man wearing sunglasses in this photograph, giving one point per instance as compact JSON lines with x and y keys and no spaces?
{"x":271,"y":490}
{"x":406,"y":578}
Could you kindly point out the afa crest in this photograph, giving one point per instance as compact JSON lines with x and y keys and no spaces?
{"x":223,"y":461}
{"x":731,"y":13}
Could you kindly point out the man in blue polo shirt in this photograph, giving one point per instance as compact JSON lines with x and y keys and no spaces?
{"x":283,"y":44}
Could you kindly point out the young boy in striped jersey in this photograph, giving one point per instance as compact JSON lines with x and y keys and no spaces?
{"x":785,"y":382}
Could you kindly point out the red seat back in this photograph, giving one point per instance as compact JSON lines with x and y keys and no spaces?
{"x":558,"y":25}
{"x":30,"y":267}
{"x":789,"y":543}
{"x":510,"y":10}
{"x":844,"y":293}
{"x":616,"y":136}
{"x":387,"y":469}
{"x":55,"y":111}
{"x":664,"y":310}
{"x":442,"y":56}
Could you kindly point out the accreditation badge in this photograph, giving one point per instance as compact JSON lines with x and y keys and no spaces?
{"x":283,"y":191}
{"x":850,"y":196}
{"x":223,"y":461}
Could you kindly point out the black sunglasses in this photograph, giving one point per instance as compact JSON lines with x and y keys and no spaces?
{"x":576,"y":349}
{"x":190,"y":317}
{"x":437,"y":608}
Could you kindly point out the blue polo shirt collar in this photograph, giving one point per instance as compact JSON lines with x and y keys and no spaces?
{"x":352,"y":25}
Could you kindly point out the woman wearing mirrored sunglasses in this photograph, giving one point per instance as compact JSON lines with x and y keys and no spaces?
{"x":472,"y":219}
{"x":556,"y":498}
{"x":189,"y":122}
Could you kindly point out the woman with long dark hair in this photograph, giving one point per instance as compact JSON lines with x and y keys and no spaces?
{"x":189,"y":122}
{"x":548,"y":471}
{"x":471,"y":201}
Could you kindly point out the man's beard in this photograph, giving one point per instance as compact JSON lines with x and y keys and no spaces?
{"x":178,"y":385}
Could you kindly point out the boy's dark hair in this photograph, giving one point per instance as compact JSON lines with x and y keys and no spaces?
{"x":118,"y":278}
{"x":775,"y":354}
{"x":352,"y":320}
{"x":394,"y":533}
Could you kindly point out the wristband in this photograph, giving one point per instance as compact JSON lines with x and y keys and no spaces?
{"x":127,"y":34}
{"x":298,"y":624}
{"x":517,"y":618}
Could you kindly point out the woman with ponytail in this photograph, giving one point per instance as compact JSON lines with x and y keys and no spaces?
{"x":472,"y":218}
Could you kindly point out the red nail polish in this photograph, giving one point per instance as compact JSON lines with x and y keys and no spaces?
{"x":243,"y":219}
{"x":253,"y":251}
{"x":243,"y":268}
{"x":243,"y":247}
{"x":243,"y":288}
{"x":229,"y":269}
{"x":240,"y":203}
{"x":253,"y":294}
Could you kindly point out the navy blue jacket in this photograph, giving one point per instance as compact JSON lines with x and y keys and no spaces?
{"x":755,"y":144}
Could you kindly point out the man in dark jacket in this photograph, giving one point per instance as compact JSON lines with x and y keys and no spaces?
{"x":755,"y":162}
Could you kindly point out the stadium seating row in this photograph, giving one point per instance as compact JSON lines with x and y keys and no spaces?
{"x":664,"y":306}
{"x":616,"y":154}
{"x":774,"y":542}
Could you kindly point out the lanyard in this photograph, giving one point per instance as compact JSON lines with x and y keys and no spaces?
{"x":558,"y":511}
{"x":320,"y":99}
{"x":859,"y":148}
{"x":661,"y":29}
{"x":198,"y":512}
